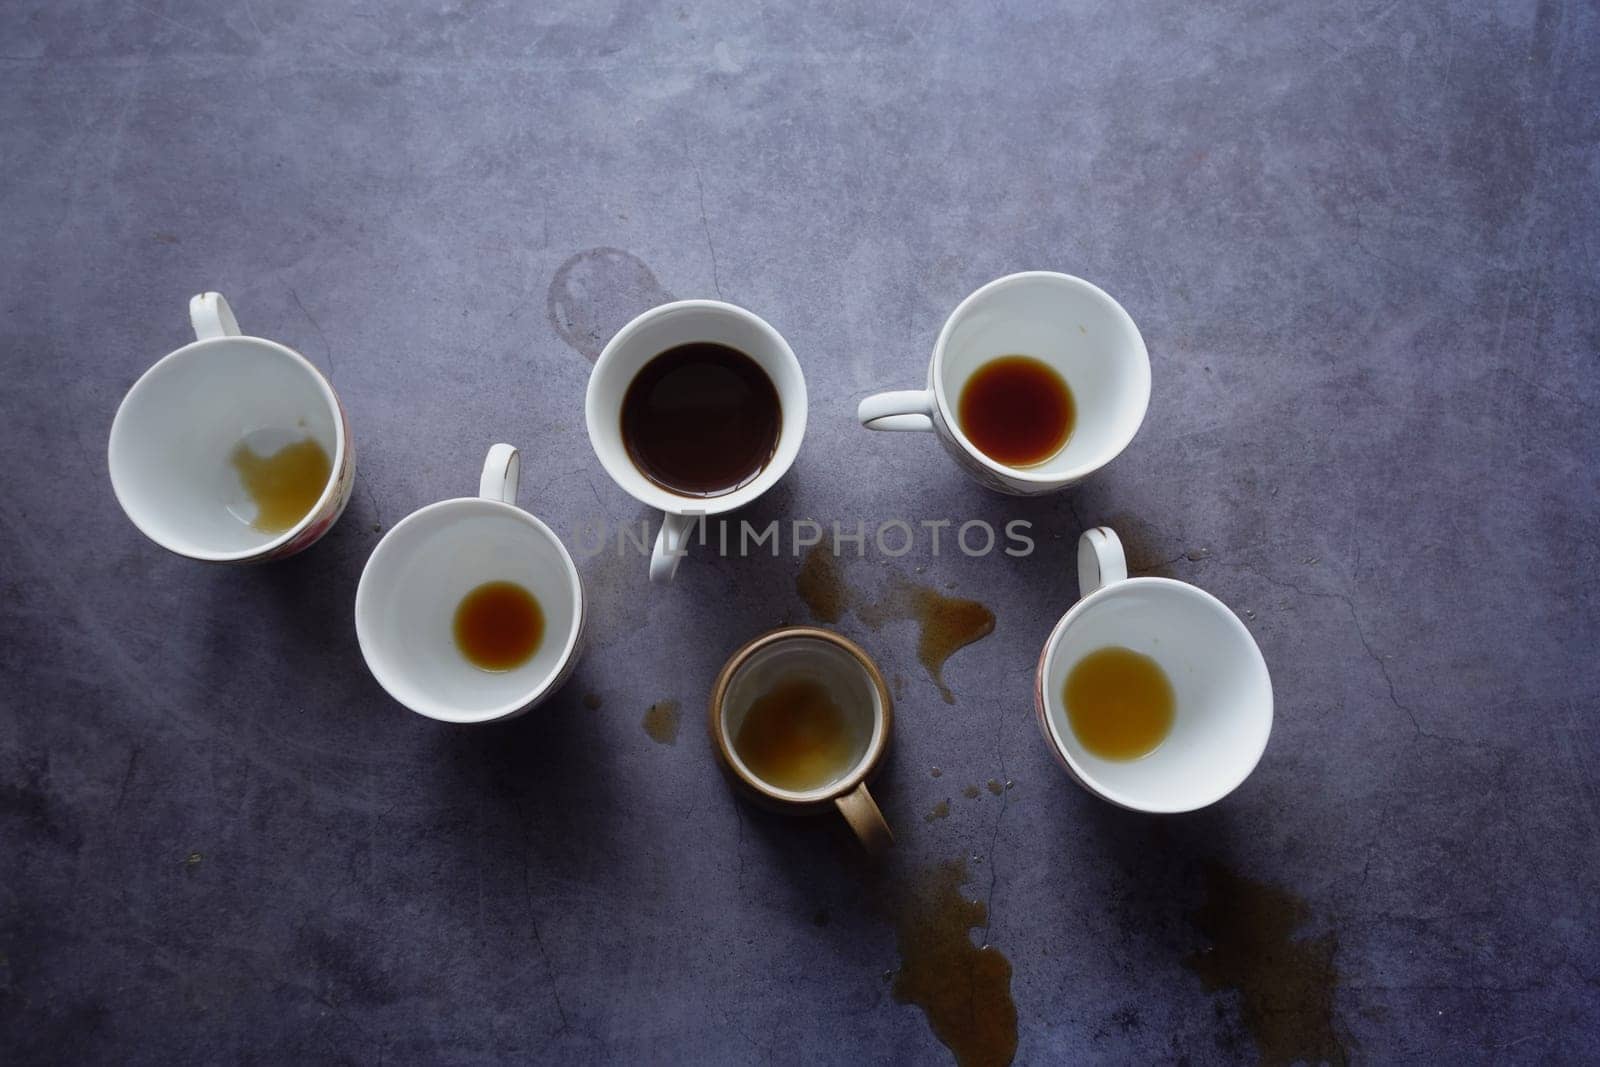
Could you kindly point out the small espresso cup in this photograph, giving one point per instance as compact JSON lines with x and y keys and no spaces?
{"x":856,"y":686}
{"x":1223,"y":692}
{"x":1065,"y":322}
{"x":417,"y":576}
{"x":639,"y":342}
{"x":175,"y":433}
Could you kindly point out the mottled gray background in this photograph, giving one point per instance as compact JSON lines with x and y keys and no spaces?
{"x":1360,"y":238}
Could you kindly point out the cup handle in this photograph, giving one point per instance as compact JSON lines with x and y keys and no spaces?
{"x":902,"y":409}
{"x":1101,"y":560}
{"x":861,"y":812}
{"x":211,"y":316}
{"x":502,"y":471}
{"x":672,"y":544}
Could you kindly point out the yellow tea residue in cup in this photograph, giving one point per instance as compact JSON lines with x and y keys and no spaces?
{"x":286,"y":485}
{"x":795,"y":736}
{"x":1119,"y":703}
{"x":498,"y":626}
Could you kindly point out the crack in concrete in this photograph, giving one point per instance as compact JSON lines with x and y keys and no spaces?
{"x":327,"y":349}
{"x":533,"y":919}
{"x":994,"y":838}
{"x":700,"y":185}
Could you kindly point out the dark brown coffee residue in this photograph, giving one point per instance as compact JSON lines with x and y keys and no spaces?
{"x":963,"y":989}
{"x":995,"y":787}
{"x":970,"y":792}
{"x":661,"y":722}
{"x":592,"y":701}
{"x":1286,"y":986}
{"x":940,"y":810}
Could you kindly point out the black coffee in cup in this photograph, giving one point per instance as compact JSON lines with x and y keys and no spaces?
{"x":701,"y":419}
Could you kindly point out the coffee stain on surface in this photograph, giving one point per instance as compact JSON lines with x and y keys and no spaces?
{"x":995,"y":787}
{"x":821,"y":587}
{"x":940,"y":810}
{"x":970,"y":792}
{"x":945,"y":624}
{"x":592,"y":701}
{"x":964,"y":989}
{"x":1286,"y":986}
{"x":597,"y":292}
{"x":661,"y":722}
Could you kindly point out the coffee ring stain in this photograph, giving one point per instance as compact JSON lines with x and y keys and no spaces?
{"x":597,"y":292}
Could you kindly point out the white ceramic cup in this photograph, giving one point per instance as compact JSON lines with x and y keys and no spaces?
{"x":431,"y":559}
{"x":640,"y":341}
{"x":174,"y":434}
{"x":1073,"y":326}
{"x":1224,"y":694}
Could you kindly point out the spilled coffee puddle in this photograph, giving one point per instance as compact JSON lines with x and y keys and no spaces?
{"x":945,"y":624}
{"x":1285,"y":986}
{"x":661,"y":722}
{"x":963,"y":989}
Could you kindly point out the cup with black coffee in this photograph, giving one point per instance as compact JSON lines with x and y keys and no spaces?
{"x":696,"y":408}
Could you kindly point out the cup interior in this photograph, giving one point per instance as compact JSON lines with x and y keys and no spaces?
{"x":1076,"y":328}
{"x":668,"y":326}
{"x":836,"y":668}
{"x":173,"y":439}
{"x":415,"y":580}
{"x":1223,"y":693}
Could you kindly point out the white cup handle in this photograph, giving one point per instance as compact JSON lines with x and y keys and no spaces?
{"x":211,"y":316}
{"x":502,"y":471}
{"x":672,"y":544}
{"x":902,"y":409}
{"x":1101,"y":560}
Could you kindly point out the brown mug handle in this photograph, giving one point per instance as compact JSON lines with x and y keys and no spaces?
{"x":861,"y":812}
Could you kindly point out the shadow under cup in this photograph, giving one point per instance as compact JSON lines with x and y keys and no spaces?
{"x":406,"y":604}
{"x":1075,"y":328}
{"x":1223,"y":693}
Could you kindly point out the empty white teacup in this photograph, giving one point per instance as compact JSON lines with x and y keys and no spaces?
{"x":1065,"y":322}
{"x":639,"y":342}
{"x":1223,"y":692}
{"x":428,"y":562}
{"x":175,"y":433}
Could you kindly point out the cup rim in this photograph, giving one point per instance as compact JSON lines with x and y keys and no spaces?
{"x":341,"y":447}
{"x":876,"y":747}
{"x":440,"y":711}
{"x":1063,"y":753}
{"x":646,"y":491}
{"x":1026,"y":474}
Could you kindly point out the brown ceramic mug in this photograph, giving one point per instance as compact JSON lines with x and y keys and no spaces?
{"x":856,"y":687}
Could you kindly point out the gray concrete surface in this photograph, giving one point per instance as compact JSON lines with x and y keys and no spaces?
{"x":1361,"y":240}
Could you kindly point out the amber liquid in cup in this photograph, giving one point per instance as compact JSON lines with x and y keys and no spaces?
{"x":498,"y":626}
{"x":1017,"y":411}
{"x":796,"y":737}
{"x":1119,"y":703}
{"x":284,"y":486}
